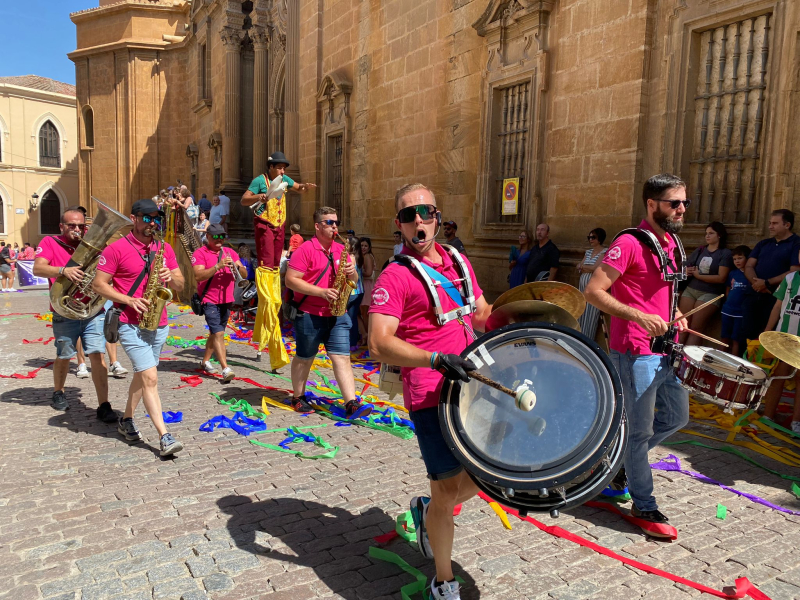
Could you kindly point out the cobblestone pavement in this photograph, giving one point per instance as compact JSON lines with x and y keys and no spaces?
{"x":83,"y":515}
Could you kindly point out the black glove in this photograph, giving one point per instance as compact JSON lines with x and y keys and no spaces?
{"x":454,"y":367}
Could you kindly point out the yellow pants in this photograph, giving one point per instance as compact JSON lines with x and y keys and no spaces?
{"x":267,"y":329}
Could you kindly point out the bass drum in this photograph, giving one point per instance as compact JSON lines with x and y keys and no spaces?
{"x":560,"y":454}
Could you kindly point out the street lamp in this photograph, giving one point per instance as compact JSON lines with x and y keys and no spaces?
{"x":34,"y":201}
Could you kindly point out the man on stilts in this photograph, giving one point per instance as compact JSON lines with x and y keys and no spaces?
{"x":269,"y":210}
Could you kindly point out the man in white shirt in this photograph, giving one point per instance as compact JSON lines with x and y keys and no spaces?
{"x":225,"y":203}
{"x":218,"y":212}
{"x":398,"y":243}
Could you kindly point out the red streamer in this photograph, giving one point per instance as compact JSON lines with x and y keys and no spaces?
{"x":29,"y":375}
{"x":743,"y":586}
{"x":190,"y":381}
{"x":659,"y":530}
{"x":41,"y":340}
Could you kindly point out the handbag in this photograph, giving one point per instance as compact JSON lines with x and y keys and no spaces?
{"x":111,"y":322}
{"x":197,"y":299}
{"x":192,"y":212}
{"x":291,"y":308}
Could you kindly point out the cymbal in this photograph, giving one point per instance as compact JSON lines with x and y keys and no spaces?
{"x":783,"y":346}
{"x":554,"y":292}
{"x":523,"y":311}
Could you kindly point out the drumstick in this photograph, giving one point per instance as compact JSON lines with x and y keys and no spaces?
{"x":526,"y":398}
{"x":705,"y":337}
{"x":694,"y":310}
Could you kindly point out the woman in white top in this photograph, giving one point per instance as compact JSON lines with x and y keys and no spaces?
{"x":591,"y":260}
{"x":366,"y":262}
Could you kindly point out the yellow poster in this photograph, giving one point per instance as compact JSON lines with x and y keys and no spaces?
{"x":511,"y":196}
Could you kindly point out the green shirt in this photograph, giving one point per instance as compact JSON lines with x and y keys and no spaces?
{"x":789,"y":294}
{"x":274,"y":210}
{"x":260,"y":185}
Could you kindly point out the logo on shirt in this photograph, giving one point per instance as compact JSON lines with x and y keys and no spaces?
{"x":101,"y":261}
{"x":194,"y":260}
{"x":39,"y":249}
{"x":614,"y":253}
{"x":380,"y":296}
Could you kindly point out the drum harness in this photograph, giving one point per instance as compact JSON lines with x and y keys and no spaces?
{"x":670,"y":272}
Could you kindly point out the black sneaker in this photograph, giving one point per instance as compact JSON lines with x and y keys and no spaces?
{"x":59,"y":401}
{"x":653,"y":516}
{"x":300,"y":405}
{"x":129,"y":430}
{"x":353,"y":409}
{"x":107,"y":414}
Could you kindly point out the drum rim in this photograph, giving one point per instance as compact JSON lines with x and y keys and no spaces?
{"x":556,"y":475}
{"x":727,"y":375}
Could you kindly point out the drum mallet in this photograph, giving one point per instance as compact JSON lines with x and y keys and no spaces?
{"x":525,"y":398}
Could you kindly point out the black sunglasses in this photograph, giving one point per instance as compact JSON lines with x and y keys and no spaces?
{"x":409,"y":214}
{"x":676,"y":203}
{"x":591,"y":237}
{"x":330,"y":222}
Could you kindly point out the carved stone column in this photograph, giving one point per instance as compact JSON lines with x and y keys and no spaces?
{"x":291,"y":117}
{"x":231,"y":134}
{"x":260,"y":99}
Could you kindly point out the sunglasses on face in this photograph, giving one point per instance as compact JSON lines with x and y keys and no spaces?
{"x":148,"y":219}
{"x":330,"y":222}
{"x":218,"y":236}
{"x":591,"y":237}
{"x":409,"y":214}
{"x":674,"y":204}
{"x":74,"y":225}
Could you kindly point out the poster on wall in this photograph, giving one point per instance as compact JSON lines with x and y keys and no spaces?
{"x":511,"y":196}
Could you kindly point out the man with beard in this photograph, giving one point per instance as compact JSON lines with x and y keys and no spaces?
{"x":639,"y":303}
{"x":123,"y":272}
{"x":52,"y":256}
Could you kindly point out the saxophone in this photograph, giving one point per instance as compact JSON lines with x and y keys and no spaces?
{"x":77,"y":300}
{"x":155,"y":293}
{"x":342,"y":283}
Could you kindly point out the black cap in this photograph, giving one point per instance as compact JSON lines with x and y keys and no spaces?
{"x":145,"y":207}
{"x":450,"y":224}
{"x":215,"y":229}
{"x":277,"y":158}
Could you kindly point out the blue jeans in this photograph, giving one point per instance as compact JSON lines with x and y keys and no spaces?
{"x":312,"y":330}
{"x":656,"y":407}
{"x":142,"y":346}
{"x":353,"y":308}
{"x":67,"y":331}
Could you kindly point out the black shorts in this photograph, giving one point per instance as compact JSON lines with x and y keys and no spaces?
{"x":440,"y":462}
{"x":216,"y":316}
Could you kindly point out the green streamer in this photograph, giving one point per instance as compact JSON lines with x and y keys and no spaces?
{"x":242,"y":406}
{"x":796,"y":490}
{"x":774,"y":425}
{"x":318,"y":441}
{"x":420,"y":586}
{"x":271,"y":374}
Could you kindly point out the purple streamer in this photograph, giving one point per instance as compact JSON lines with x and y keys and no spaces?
{"x":673,"y":463}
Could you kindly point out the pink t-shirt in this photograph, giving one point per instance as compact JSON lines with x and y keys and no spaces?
{"x":124,"y":260}
{"x":57,"y":254}
{"x":309,"y":259}
{"x":400,"y":292}
{"x":222,"y":282}
{"x":639,"y":286}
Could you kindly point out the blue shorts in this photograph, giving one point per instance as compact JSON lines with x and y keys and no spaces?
{"x":731,"y":327}
{"x":143,"y":347}
{"x":311,"y":330}
{"x":440,"y":462}
{"x":216,"y":316}
{"x":67,"y":332}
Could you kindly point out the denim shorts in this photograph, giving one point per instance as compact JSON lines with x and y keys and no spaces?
{"x":731,"y":327}
{"x":439,"y":460}
{"x":216,"y":316}
{"x":5,"y":268}
{"x":67,"y":332}
{"x":142,"y":346}
{"x":311,"y":330}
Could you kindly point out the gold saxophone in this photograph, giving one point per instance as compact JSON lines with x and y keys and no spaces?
{"x":342,"y":283}
{"x":155,"y":293}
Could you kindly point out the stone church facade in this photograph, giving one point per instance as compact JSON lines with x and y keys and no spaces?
{"x":579,"y":100}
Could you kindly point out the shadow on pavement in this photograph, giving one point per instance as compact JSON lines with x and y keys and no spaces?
{"x":330,"y":540}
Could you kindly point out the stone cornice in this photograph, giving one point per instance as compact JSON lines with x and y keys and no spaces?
{"x":88,"y":14}
{"x":127,"y":44}
{"x":8,"y":89}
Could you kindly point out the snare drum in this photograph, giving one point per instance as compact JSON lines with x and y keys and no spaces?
{"x":720,"y":378}
{"x":564,"y":451}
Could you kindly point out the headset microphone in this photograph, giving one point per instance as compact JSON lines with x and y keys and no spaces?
{"x":415,"y":240}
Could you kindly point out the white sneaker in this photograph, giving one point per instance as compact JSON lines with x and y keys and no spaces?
{"x":208,"y":367}
{"x":449,"y":590}
{"x":83,"y":372}
{"x":796,"y":426}
{"x":12,"y":289}
{"x":117,"y":370}
{"x":3,"y":290}
{"x":227,"y":375}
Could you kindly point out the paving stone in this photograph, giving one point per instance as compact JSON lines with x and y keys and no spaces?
{"x":201,"y":566}
{"x":69,"y":584}
{"x":102,"y":591}
{"x":102,"y":560}
{"x":218,"y":582}
{"x":165,"y":572}
{"x":194,"y":595}
{"x":174,"y":588}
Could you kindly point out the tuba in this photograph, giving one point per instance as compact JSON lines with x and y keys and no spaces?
{"x":156,"y":294}
{"x":342,"y":283}
{"x":77,"y":300}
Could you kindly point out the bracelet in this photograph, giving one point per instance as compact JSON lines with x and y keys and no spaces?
{"x":433,"y":360}
{"x":61,"y":271}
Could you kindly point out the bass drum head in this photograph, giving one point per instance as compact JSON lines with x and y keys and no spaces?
{"x":564,"y":451}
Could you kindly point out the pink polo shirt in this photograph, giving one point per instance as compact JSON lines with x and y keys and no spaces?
{"x":56,"y":254}
{"x":222,"y":282}
{"x":639,"y":286}
{"x":309,"y":259}
{"x":400,"y":292}
{"x":124,"y":260}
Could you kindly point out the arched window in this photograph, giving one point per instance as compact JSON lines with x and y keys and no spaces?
{"x":50,"y":214}
{"x":49,"y":146}
{"x":88,"y":127}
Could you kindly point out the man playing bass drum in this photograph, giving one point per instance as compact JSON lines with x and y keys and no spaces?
{"x":404,"y":331}
{"x":631,"y":286}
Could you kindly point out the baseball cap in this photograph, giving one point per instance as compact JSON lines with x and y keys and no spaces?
{"x":215,"y":229}
{"x":145,"y":207}
{"x":450,"y":224}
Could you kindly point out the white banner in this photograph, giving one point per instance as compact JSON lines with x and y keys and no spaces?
{"x":26,"y":276}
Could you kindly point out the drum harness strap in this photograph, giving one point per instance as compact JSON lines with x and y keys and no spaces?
{"x":465,"y":302}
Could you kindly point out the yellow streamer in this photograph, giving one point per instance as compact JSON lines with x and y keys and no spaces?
{"x":500,"y":513}
{"x":275,"y":403}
